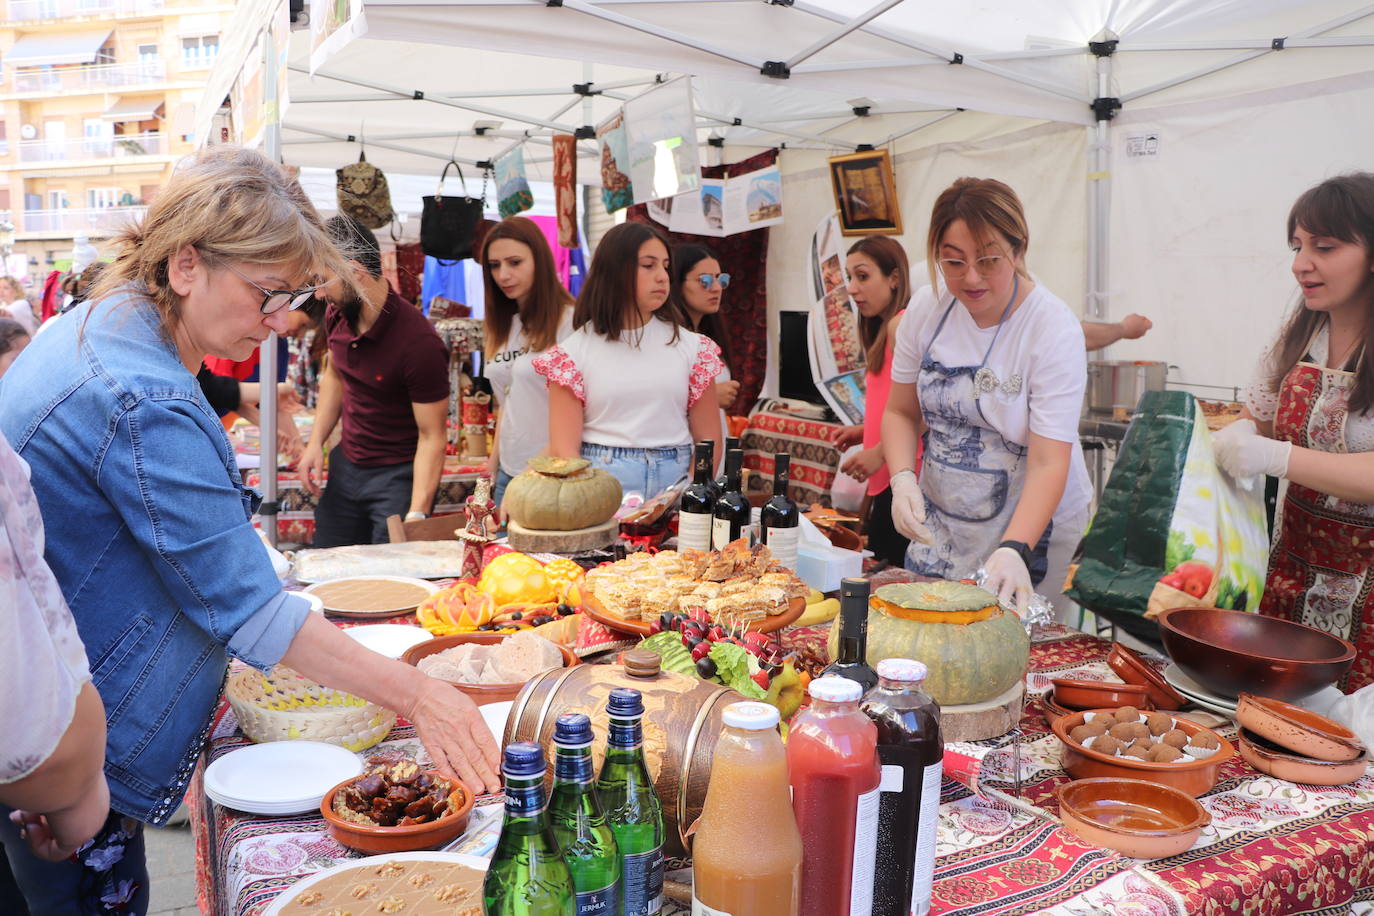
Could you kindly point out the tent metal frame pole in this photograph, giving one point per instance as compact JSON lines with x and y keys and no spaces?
{"x":1258,"y":44}
{"x":589,"y":9}
{"x":813,"y":138}
{"x":267,"y":352}
{"x":892,"y":138}
{"x":1099,"y":197}
{"x":852,"y":25}
{"x":573,"y":103}
{"x":344,"y":138}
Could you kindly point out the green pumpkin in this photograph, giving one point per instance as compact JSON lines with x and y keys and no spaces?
{"x":561,"y":494}
{"x":974,"y":649}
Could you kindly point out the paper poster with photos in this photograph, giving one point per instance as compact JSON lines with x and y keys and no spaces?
{"x":333,"y":24}
{"x":835,"y":312}
{"x":866,"y":193}
{"x":843,"y":391}
{"x":246,"y":100}
{"x":727,"y":206}
{"x":616,"y":193}
{"x":661,"y":136}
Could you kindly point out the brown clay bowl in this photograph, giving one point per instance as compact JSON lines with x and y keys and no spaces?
{"x":481,"y":694}
{"x":1234,"y":652}
{"x":1133,"y":669}
{"x":1272,"y":760}
{"x":1194,"y":776}
{"x":1136,"y":818}
{"x":1074,"y":694}
{"x":376,"y":840}
{"x":1297,"y":730}
{"x":1050,"y":708}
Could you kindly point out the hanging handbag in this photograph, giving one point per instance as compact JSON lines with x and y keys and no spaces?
{"x":363,"y":193}
{"x":448,"y":224}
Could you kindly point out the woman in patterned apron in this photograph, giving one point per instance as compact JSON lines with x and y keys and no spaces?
{"x":1309,"y":418}
{"x":991,"y":375}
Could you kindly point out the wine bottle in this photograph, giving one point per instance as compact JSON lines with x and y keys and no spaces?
{"x":731,"y":443}
{"x":711,"y":481}
{"x":697,"y":503}
{"x":632,"y":806}
{"x":731,"y":515}
{"x":780,"y":519}
{"x":527,"y":876}
{"x":579,"y":823}
{"x":851,"y":661}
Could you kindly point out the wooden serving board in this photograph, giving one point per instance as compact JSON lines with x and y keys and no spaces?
{"x":976,"y":721}
{"x":529,"y":540}
{"x":593,"y":609}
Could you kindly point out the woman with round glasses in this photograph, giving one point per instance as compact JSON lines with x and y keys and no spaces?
{"x":990,"y":376}
{"x":148,"y":527}
{"x":698,"y":287}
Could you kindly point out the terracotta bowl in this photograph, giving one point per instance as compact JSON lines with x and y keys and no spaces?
{"x":1050,"y":708}
{"x":1298,"y":730}
{"x":481,"y":693}
{"x":376,"y":840}
{"x":1074,"y":694}
{"x":1133,"y":669}
{"x":1230,"y":652}
{"x":1272,"y":760}
{"x":1136,"y":818}
{"x":1195,"y":776}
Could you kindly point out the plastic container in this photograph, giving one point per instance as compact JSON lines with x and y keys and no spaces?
{"x":823,"y":566}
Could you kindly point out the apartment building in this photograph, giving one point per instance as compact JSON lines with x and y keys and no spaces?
{"x":97,"y":98}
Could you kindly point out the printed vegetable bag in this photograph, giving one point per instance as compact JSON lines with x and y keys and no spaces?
{"x":1171,"y":529}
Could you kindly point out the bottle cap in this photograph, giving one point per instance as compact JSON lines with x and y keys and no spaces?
{"x":625,"y":703}
{"x":756,"y":717}
{"x":524,"y":758}
{"x":902,"y":669}
{"x":572,"y":729}
{"x":643,"y":663}
{"x":835,"y":689}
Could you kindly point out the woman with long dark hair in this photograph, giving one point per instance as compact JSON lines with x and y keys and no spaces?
{"x":1309,"y":418}
{"x":698,"y":289}
{"x":630,"y":389}
{"x":527,"y":312}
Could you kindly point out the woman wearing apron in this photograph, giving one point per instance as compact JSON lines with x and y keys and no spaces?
{"x":1308,"y":419}
{"x":991,"y":375}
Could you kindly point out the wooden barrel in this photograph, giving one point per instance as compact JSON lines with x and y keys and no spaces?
{"x":682,"y":720}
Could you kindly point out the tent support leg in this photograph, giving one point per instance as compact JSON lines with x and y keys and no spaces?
{"x":1100,"y":183}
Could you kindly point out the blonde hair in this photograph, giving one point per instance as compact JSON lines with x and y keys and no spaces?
{"x":15,"y":287}
{"x":232,"y":205}
{"x":989,"y":208}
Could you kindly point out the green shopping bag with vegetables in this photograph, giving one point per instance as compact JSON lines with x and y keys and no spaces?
{"x":1171,"y":529}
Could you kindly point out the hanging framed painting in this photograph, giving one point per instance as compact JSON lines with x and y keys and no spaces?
{"x":866,"y":193}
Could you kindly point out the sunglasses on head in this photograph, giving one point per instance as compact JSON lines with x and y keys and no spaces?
{"x":706,"y":280}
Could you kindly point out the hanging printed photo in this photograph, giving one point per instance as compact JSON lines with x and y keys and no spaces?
{"x":512,"y":190}
{"x":565,"y":188}
{"x":616,"y":193}
{"x":661,"y":134}
{"x":333,"y":24}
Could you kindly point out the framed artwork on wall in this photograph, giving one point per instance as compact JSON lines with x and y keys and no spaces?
{"x":866,"y":193}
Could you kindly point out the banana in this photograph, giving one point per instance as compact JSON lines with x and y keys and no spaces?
{"x":813,"y":596}
{"x":820,"y":612}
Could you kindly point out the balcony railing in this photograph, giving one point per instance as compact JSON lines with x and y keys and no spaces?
{"x":121,"y":147}
{"x":93,"y":221}
{"x":87,"y":78}
{"x":63,"y":9}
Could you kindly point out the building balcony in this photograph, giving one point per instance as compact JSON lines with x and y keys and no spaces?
{"x":129,"y":146}
{"x":90,"y":78}
{"x":25,"y":10}
{"x":96,"y":221}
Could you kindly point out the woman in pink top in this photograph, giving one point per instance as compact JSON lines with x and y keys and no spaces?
{"x":879,"y":285}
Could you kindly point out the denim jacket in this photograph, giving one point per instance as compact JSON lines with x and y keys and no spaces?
{"x":148,"y":534}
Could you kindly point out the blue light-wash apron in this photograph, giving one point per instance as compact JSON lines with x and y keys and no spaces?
{"x":971,"y":476}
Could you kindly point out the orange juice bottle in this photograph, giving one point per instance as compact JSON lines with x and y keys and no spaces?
{"x":747,"y":852}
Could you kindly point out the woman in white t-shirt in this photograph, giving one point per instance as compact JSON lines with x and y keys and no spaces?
{"x":629,"y":389}
{"x":527,"y":312}
{"x":991,"y":375}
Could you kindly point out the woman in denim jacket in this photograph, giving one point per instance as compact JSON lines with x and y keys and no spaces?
{"x":147,"y":522}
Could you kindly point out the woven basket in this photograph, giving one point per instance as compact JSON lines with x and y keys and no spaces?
{"x":284,"y":705}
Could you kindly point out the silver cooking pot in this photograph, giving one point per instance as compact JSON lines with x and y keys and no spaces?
{"x":1118,"y":383}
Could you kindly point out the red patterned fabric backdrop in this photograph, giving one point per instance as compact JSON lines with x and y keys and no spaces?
{"x":744,"y":309}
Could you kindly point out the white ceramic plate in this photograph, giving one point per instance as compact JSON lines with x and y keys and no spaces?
{"x":316,"y":605}
{"x":390,"y":639}
{"x":1196,"y":692}
{"x":281,"y":777}
{"x":495,"y":715}
{"x":276,"y":906}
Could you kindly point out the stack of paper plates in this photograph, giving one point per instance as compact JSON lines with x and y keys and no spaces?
{"x":283,"y":777}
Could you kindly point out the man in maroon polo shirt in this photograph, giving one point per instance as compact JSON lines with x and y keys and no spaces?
{"x":387,"y":378}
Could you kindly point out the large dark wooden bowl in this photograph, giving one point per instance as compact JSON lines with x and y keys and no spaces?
{"x":1234,"y":652}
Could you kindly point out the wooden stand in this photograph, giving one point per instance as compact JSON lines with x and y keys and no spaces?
{"x":976,"y":721}
{"x":528,"y":540}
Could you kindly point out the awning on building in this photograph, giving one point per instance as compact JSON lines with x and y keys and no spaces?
{"x":134,"y":109}
{"x":65,"y":48}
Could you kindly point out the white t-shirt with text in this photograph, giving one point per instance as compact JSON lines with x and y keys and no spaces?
{"x":522,"y":395}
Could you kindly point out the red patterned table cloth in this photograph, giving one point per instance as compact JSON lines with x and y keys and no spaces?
{"x":814,"y":458}
{"x":1273,"y":847}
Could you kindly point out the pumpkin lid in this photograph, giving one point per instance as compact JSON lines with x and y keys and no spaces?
{"x":936,"y":596}
{"x":558,"y":467}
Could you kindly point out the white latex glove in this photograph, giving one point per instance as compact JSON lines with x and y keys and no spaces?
{"x":1243,"y":453}
{"x":909,"y":508}
{"x":1008,"y":578}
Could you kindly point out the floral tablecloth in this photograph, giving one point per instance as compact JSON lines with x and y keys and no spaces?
{"x":1273,"y":847}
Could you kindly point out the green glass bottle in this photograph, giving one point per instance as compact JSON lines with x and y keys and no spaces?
{"x":579,"y":824}
{"x":632,"y":807}
{"x":527,"y":875}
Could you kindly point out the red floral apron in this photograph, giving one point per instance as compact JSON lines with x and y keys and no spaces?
{"x":1320,"y":566}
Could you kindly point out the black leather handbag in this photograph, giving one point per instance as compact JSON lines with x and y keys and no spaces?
{"x":448,"y":224}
